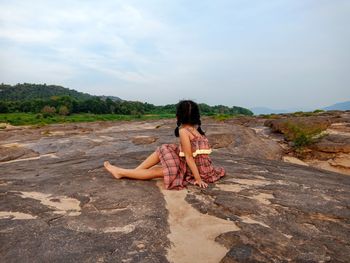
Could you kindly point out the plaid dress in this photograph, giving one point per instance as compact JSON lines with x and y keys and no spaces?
{"x":177,"y":173}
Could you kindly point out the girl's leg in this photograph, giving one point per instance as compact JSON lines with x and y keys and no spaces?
{"x":150,"y":161}
{"x":140,"y":173}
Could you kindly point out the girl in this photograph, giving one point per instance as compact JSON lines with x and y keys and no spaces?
{"x":180,"y":165}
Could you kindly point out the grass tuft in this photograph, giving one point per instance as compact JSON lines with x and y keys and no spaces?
{"x":39,"y":119}
{"x":302,"y":134}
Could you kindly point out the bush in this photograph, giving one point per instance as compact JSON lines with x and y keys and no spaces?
{"x":3,"y":107}
{"x":303,"y":134}
{"x":223,"y":117}
{"x":63,"y":110}
{"x":48,"y":111}
{"x":304,"y":114}
{"x":270,"y":116}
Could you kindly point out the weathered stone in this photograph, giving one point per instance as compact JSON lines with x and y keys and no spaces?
{"x":341,"y":161}
{"x":243,"y":141}
{"x":14,"y":151}
{"x":291,"y":159}
{"x":144,"y":139}
{"x":333,"y":143}
{"x":279,"y":207}
{"x":330,"y":151}
{"x":220,"y":140}
{"x":62,"y":206}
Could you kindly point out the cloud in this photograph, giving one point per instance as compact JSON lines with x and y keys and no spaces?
{"x":224,"y":52}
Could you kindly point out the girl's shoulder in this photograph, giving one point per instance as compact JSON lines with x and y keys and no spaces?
{"x":193,"y":134}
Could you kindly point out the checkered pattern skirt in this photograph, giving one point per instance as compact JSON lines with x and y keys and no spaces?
{"x":177,"y":173}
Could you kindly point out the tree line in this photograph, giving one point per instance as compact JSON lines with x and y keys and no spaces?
{"x":30,"y":91}
{"x":53,"y":99}
{"x":65,"y":105}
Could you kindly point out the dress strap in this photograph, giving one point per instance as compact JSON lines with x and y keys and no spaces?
{"x":194,"y":136}
{"x":190,"y":131}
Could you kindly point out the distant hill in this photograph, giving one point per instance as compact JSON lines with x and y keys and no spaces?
{"x":113,"y":98}
{"x":27,"y":91}
{"x":29,"y":97}
{"x":265,"y":110}
{"x":339,"y":106}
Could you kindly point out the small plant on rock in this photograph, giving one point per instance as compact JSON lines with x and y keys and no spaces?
{"x":303,"y":134}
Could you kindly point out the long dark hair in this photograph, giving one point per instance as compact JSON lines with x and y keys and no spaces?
{"x":187,"y":112}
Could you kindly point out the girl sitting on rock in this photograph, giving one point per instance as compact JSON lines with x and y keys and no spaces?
{"x":188,"y":162}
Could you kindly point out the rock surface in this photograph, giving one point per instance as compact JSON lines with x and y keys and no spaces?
{"x":239,"y":140}
{"x":58,"y":204}
{"x":143,"y":139}
{"x":331,"y":152}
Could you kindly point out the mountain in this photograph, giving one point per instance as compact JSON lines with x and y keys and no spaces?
{"x":338,"y":106}
{"x":27,"y":91}
{"x":265,"y":110}
{"x":113,"y":98}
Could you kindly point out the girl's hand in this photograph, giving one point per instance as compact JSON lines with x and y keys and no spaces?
{"x":201,"y":183}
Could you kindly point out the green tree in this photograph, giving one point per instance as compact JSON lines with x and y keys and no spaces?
{"x":63,"y":110}
{"x":3,"y":107}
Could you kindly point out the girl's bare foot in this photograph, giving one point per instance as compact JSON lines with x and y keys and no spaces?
{"x":114,"y":170}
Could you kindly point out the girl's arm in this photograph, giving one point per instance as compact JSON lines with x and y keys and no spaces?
{"x":186,"y":148}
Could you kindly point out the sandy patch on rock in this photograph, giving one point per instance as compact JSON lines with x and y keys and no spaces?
{"x":85,"y":227}
{"x":291,"y":159}
{"x":62,"y":205}
{"x":325,"y":165}
{"x":262,"y":198}
{"x":14,"y":144}
{"x":5,"y":125}
{"x":230,"y":187}
{"x":340,"y":128}
{"x":53,"y":133}
{"x":231,"y":161}
{"x":249,"y":182}
{"x":341,"y":161}
{"x":107,"y":138}
{"x":15,"y":215}
{"x":143,"y":139}
{"x":192,"y":233}
{"x":133,"y":126}
{"x":124,"y":229}
{"x":51,"y":155}
{"x":248,"y":220}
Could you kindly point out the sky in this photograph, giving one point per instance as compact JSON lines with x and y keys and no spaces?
{"x":275,"y":53}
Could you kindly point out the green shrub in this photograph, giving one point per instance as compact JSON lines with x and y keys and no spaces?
{"x":223,"y":117}
{"x":63,"y":110}
{"x":48,"y":111}
{"x":270,"y":116}
{"x":303,"y":134}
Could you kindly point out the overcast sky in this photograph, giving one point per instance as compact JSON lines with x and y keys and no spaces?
{"x":275,"y":53}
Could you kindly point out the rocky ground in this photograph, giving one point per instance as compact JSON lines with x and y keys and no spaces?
{"x":331,"y":152}
{"x":58,"y":204}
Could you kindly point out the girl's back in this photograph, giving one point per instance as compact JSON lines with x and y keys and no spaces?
{"x":178,"y":168}
{"x":177,"y":173}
